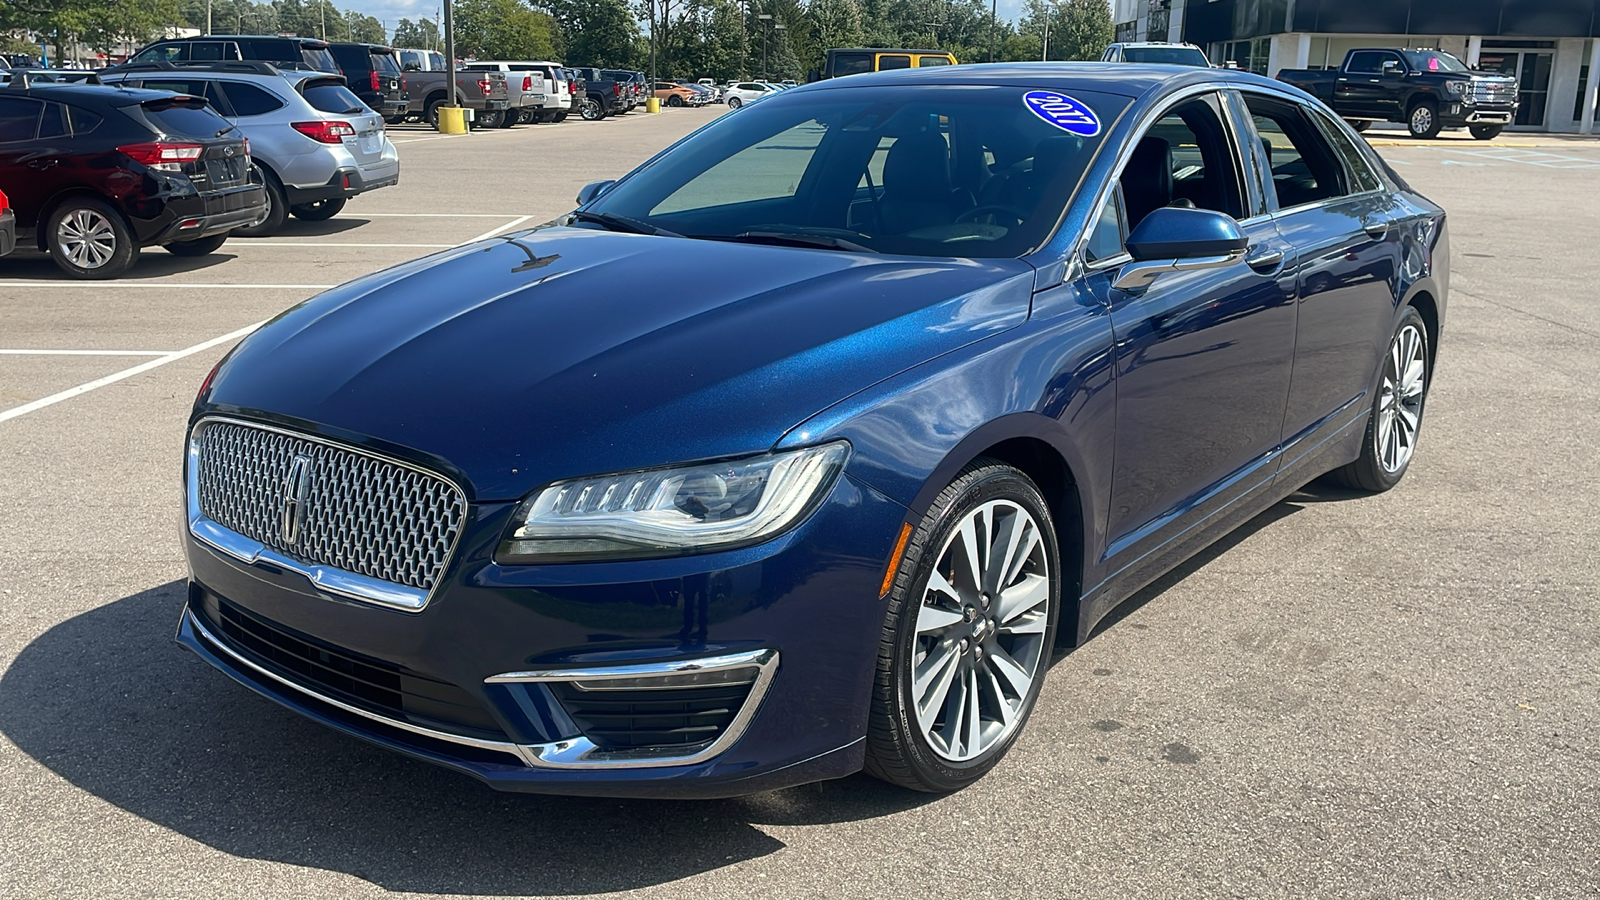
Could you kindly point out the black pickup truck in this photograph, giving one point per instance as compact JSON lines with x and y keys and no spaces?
{"x":1426,"y":89}
{"x":602,"y":95}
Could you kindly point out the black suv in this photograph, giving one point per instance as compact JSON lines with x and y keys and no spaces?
{"x":95,"y":172}
{"x":372,"y":72}
{"x":283,"y":52}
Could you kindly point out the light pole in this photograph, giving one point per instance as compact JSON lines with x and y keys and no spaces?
{"x":777,"y":27}
{"x":764,"y":18}
{"x":994,"y":26}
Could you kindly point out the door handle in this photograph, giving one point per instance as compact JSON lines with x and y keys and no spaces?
{"x":1375,"y":230}
{"x":1265,"y":260}
{"x":46,"y":163}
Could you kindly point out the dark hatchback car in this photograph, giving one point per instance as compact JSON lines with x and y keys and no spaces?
{"x":906,"y":378}
{"x":95,"y":172}
{"x":372,"y":72}
{"x":283,"y":52}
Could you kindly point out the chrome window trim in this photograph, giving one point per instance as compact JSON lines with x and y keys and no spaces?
{"x":582,"y":753}
{"x":1313,"y":113}
{"x":328,"y":579}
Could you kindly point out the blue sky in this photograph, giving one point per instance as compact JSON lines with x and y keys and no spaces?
{"x":391,"y":12}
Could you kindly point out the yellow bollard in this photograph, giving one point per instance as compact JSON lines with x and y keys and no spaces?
{"x":652,"y":105}
{"x":452,"y":120}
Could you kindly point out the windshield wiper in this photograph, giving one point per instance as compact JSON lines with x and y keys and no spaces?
{"x":796,"y":239}
{"x":614,"y":222}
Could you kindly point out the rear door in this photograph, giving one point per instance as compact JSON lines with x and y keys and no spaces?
{"x":1339,"y":220}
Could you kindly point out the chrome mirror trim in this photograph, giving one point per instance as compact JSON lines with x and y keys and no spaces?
{"x":1138,"y":275}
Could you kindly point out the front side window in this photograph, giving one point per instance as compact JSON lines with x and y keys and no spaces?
{"x":1304,"y":167}
{"x":1434,"y":61}
{"x":1186,"y":159}
{"x":888,"y":169}
{"x":210,"y":51}
{"x":1105,"y":238}
{"x":893,"y":61}
{"x":852,"y":63}
{"x":1370,"y":62}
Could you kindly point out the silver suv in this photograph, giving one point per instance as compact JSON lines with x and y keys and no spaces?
{"x":314,"y":143}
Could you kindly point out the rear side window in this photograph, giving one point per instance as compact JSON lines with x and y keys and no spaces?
{"x":891,"y":61}
{"x":54,"y":121}
{"x":82,"y":120}
{"x":320,"y":59}
{"x":249,"y":100}
{"x":1357,"y":169}
{"x":188,"y":121}
{"x":268,"y":50}
{"x":925,"y":61}
{"x":211,"y":51}
{"x":1305,"y":168}
{"x":852,"y":63}
{"x":19,"y":119}
{"x":351,"y":59}
{"x":333,"y":98}
{"x":192,"y":86}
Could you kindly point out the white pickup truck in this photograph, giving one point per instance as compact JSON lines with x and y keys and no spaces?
{"x":526,"y":88}
{"x":561,"y":95}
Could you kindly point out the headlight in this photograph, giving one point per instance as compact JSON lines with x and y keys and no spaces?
{"x":1456,"y":87}
{"x":672,"y":511}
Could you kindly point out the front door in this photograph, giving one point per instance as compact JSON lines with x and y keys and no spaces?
{"x":26,"y":163}
{"x":1364,"y":88}
{"x":1202,"y":357}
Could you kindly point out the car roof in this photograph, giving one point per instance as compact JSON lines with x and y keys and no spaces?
{"x":111,"y":94}
{"x":230,"y":37}
{"x":204,"y":72}
{"x":385,"y":47}
{"x":886,"y":50}
{"x":1124,"y":79}
{"x":1155,"y":44}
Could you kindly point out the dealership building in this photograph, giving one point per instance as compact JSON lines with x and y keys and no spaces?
{"x":1551,"y":46}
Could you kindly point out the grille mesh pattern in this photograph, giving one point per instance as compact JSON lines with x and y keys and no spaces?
{"x":357,"y":513}
{"x":1493,"y":92}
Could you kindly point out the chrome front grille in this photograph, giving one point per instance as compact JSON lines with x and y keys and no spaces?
{"x":1498,"y":92}
{"x":325,"y":504}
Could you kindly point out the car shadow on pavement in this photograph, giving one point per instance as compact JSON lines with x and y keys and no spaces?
{"x":107,"y":701}
{"x":293,"y":228}
{"x":27,"y":264}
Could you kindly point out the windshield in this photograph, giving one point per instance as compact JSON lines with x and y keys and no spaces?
{"x":1434,"y":61}
{"x":934,"y":170}
{"x":1174,"y":56}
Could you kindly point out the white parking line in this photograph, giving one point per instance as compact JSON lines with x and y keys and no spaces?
{"x":115,"y":377}
{"x":107,"y":285}
{"x":259,"y":244}
{"x":86,"y":352}
{"x":494,"y":231}
{"x":1529,"y":158}
{"x":367,"y":215}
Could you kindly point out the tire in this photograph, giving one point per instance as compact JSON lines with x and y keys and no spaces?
{"x":509,"y":118}
{"x":277,"y":205}
{"x":198,"y":247}
{"x":591,"y":110}
{"x":935,"y":751}
{"x":1359,"y":125}
{"x":1422,"y":120}
{"x":489,"y":118}
{"x":1395,"y":421}
{"x":432,"y":115}
{"x":674,"y":100}
{"x":395,"y":120}
{"x":318,"y":211}
{"x":561,"y":116}
{"x":1485,"y":132}
{"x":89,"y":240}
{"x":734,"y":103}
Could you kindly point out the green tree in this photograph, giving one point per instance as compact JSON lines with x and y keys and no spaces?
{"x":365,"y":29}
{"x":601,"y":33}
{"x":503,"y":29}
{"x":1079,"y":29}
{"x":832,"y":23}
{"x":422,"y":34}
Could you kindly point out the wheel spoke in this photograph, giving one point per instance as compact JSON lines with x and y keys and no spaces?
{"x":1006,"y":711}
{"x":1012,"y":671}
{"x":1002,"y":552}
{"x":969,"y":544}
{"x":1019,"y":598}
{"x":934,"y":618}
{"x":974,"y":713}
{"x":932,"y":689}
{"x":951,"y":733}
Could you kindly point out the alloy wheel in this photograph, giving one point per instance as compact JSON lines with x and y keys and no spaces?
{"x":1421,"y":120}
{"x":1400,"y":398}
{"x":86,"y":238}
{"x":980,"y":641}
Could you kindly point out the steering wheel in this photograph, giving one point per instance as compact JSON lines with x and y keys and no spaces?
{"x":990,"y":209}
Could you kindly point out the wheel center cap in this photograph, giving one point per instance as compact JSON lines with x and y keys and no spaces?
{"x":980,"y":630}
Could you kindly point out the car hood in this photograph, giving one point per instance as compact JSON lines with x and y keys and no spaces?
{"x":567,"y":351}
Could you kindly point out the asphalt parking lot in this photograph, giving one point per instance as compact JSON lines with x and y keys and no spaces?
{"x":1392,"y":696}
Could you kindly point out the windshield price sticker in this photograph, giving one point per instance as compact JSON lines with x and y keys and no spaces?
{"x":1063,"y":112}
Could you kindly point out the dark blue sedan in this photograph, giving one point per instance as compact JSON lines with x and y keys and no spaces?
{"x":796,"y":450}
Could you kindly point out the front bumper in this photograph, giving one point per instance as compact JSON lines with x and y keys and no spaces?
{"x":806,"y":603}
{"x":204,"y":215}
{"x":1459,"y":114}
{"x":347,"y":182}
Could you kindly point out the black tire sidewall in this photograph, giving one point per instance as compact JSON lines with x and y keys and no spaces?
{"x":734,"y":102}
{"x":199,"y":247}
{"x":983,"y":483}
{"x":278,"y":208}
{"x":312,"y":212}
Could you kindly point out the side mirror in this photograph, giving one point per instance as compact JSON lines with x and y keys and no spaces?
{"x":1391,"y":67}
{"x":592,"y":190}
{"x":1171,"y":239}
